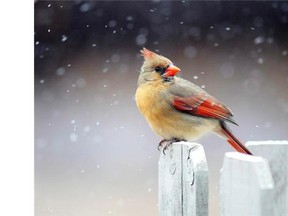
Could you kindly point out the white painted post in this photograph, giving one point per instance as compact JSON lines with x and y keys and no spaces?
{"x":276,"y":152}
{"x":183,"y":181}
{"x":246,"y":186}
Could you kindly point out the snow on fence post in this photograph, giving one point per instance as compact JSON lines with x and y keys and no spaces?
{"x":183,"y":181}
{"x":276,"y":152}
{"x":246,"y":186}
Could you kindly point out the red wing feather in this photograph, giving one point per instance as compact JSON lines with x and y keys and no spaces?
{"x":203,"y":106}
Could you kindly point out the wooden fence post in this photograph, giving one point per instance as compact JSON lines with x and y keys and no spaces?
{"x":183,"y":181}
{"x":246,"y":186}
{"x":276,"y":152}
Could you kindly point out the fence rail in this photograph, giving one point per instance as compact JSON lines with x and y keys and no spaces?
{"x":246,"y":186}
{"x":276,"y":152}
{"x":249,"y":185}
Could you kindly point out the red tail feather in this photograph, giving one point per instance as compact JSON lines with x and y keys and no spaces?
{"x":233,"y":141}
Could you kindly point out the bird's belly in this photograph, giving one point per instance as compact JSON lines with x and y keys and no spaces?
{"x":181,"y":126}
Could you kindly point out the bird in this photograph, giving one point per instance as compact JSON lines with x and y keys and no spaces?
{"x":177,"y":109}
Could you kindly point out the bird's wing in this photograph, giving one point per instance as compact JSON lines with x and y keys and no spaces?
{"x":191,"y":99}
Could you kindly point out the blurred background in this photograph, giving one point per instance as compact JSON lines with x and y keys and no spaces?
{"x":94,"y":152}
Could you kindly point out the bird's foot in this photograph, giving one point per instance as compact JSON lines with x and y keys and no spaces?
{"x":165,"y":144}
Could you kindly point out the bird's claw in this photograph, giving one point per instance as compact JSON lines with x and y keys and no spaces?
{"x":161,"y":143}
{"x":164,"y":146}
{"x":168,"y":143}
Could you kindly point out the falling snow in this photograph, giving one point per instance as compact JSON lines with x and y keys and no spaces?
{"x":60,"y":71}
{"x":259,"y":40}
{"x":105,"y":70}
{"x":81,"y":83}
{"x":112,"y":23}
{"x":260,"y":60}
{"x":227,"y":70}
{"x":64,"y":38}
{"x":87,"y":63}
{"x":85,"y":7}
{"x":141,"y":40}
{"x":73,"y":137}
{"x":87,"y":129}
{"x":129,"y":18}
{"x":190,"y":51}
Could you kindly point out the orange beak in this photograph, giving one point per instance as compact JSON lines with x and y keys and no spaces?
{"x":171,"y":71}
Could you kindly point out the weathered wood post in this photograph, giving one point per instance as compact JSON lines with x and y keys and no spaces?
{"x":183,"y":181}
{"x":246,"y":186}
{"x":276,"y":152}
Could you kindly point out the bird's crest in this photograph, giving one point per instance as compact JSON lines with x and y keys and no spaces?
{"x":147,"y":53}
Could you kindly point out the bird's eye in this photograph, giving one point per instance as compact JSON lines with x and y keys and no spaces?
{"x":158,"y":69}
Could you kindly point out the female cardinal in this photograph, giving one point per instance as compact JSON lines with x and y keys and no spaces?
{"x":177,"y":109}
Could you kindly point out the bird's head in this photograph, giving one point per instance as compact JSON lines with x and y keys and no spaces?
{"x":156,"y":67}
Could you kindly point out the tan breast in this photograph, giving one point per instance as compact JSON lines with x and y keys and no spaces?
{"x":152,"y":102}
{"x":150,"y":97}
